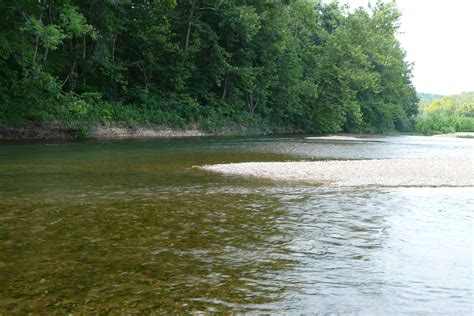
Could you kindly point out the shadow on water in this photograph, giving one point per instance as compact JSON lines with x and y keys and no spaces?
{"x":131,"y":226}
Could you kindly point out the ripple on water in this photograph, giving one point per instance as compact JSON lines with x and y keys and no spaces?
{"x":112,"y":233}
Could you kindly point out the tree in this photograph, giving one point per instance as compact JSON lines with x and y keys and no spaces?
{"x":300,"y":65}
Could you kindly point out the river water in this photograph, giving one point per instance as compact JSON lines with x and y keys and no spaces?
{"x":131,"y":225}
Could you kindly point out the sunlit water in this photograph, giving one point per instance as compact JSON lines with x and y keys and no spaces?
{"x":131,"y":226}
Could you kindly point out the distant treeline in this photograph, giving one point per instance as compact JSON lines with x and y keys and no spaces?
{"x":428,"y":97}
{"x":300,"y":65}
{"x":447,"y":114}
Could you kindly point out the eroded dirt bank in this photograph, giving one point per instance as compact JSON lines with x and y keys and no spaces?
{"x":57,"y":131}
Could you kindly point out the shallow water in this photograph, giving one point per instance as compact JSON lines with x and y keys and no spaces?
{"x":131,"y":226}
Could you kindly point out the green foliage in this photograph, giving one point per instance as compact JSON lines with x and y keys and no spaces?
{"x":296,"y":65}
{"x":51,"y":36}
{"x":447,"y":115}
{"x":73,"y":22}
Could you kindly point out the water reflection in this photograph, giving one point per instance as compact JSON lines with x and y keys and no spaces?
{"x":382,"y":251}
{"x":131,"y":226}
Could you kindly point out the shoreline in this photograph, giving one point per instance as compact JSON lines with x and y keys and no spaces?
{"x":405,"y":172}
{"x":57,"y":131}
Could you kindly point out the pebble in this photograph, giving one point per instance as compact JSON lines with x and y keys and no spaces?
{"x":407,"y":172}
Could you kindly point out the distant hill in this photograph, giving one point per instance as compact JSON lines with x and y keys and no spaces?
{"x":463,"y":98}
{"x":428,"y":97}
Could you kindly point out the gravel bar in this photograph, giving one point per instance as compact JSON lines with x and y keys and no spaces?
{"x":345,"y":138}
{"x":416,"y":172}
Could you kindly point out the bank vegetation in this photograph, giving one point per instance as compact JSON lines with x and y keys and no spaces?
{"x":295,"y":65}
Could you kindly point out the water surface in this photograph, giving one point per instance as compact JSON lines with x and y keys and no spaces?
{"x":131,"y":226}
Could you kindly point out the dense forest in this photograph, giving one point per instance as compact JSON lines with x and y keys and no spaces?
{"x":447,"y":114}
{"x":295,"y":65}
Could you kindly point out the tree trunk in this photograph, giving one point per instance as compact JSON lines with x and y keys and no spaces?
{"x":36,"y":46}
{"x":251,"y":102}
{"x":190,"y":22}
{"x":45,"y":56}
{"x":226,"y":83}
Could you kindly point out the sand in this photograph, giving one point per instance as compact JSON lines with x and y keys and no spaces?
{"x":417,"y":172}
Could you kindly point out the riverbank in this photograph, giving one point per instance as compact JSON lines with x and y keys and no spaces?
{"x":57,"y":131}
{"x":416,"y":172}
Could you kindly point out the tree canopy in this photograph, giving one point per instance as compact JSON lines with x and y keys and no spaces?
{"x":302,"y":65}
{"x":447,"y":114}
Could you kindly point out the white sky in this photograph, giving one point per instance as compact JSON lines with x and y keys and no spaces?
{"x":438,"y":36}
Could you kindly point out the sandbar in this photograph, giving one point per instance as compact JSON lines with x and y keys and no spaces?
{"x":413,"y":172}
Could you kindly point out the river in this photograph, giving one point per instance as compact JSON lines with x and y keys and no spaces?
{"x":132,"y":225}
